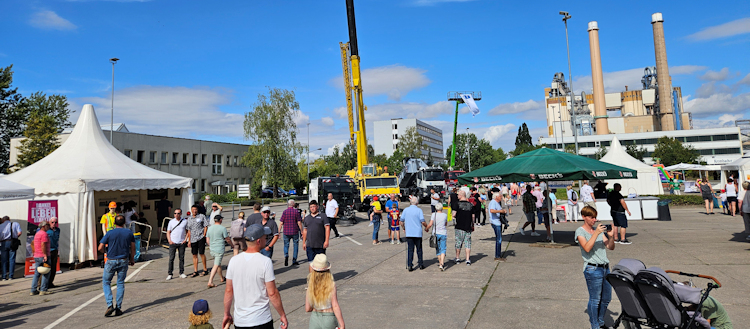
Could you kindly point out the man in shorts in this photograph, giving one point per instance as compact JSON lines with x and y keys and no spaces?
{"x":197,"y":224}
{"x":529,"y":207}
{"x":464,"y":226}
{"x":215,"y":238}
{"x":618,"y":208}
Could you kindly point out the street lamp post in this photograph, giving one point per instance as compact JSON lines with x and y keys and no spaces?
{"x":566,"y":17}
{"x":308,"y":157}
{"x":467,"y":147}
{"x":112,"y":109}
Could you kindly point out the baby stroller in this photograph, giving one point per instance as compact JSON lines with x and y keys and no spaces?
{"x":650,"y":298}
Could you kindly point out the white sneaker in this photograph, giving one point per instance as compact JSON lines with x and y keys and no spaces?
{"x":169,"y":277}
{"x":534,"y":234}
{"x":182,"y":276}
{"x":520,"y":230}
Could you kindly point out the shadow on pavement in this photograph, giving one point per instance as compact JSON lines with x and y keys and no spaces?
{"x":158,"y":301}
{"x":302,"y":281}
{"x":17,"y":319}
{"x":739,"y":237}
{"x":78,"y":284}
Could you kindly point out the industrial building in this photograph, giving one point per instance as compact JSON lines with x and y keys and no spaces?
{"x":715,"y":145}
{"x":657,"y":107}
{"x":387,"y":134}
{"x":214,"y":166}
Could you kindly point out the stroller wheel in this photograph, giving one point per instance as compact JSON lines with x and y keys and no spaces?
{"x":630,"y":325}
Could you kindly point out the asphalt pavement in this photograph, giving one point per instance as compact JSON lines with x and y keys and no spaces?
{"x":535,"y":288}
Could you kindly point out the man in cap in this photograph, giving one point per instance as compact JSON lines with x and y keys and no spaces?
{"x":251,"y":284}
{"x":316,"y":232}
{"x":108,"y":219}
{"x":271,"y":239}
{"x":120,"y":245}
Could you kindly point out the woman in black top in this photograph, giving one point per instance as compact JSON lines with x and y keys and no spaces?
{"x":706,"y":192}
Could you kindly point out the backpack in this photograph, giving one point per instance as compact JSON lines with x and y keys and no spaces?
{"x":237,"y":230}
{"x":574,"y":196}
{"x":473,"y":201}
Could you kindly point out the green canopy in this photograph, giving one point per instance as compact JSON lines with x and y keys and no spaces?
{"x":547,"y":165}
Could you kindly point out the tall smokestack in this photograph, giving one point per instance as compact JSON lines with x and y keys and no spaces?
{"x":662,"y":74}
{"x":600,"y":108}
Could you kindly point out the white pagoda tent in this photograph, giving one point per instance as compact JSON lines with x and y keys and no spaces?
{"x":83,"y":174}
{"x":14,"y":191}
{"x":648,"y":181}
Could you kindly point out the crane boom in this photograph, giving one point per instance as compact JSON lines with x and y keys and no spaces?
{"x":362,"y":156}
{"x":348,"y":88}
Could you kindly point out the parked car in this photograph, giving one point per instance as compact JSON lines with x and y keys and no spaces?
{"x":268,"y":192}
{"x":293,"y":192}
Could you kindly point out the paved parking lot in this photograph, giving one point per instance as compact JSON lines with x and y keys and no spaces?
{"x":535,"y":288}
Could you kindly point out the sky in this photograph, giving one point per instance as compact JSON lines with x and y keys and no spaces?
{"x":194,"y":68}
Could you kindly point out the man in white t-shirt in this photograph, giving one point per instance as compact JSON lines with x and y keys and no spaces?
{"x":587,"y":195}
{"x":176,"y":235}
{"x":215,"y":210}
{"x":251,"y":285}
{"x":434,"y":200}
{"x":332,"y":212}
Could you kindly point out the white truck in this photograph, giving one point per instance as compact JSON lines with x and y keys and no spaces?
{"x":417,"y":179}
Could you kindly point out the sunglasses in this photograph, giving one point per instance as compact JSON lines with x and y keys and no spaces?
{"x":178,"y":213}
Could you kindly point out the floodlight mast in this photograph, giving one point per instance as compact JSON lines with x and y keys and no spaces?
{"x":456,"y":96}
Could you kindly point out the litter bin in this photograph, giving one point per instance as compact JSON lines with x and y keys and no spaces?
{"x":663,"y":210}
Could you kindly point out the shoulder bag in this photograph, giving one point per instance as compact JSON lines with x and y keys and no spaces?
{"x":15,"y":242}
{"x":433,"y":238}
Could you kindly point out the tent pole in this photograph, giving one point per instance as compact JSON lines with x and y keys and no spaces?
{"x":551,"y":230}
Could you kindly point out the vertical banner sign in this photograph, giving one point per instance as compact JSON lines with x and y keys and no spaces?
{"x":39,"y":211}
{"x":469,"y":101}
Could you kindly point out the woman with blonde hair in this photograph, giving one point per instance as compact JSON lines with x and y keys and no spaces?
{"x":321,"y":298}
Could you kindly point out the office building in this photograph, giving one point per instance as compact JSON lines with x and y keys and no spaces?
{"x":214,"y":166}
{"x":387,"y":132}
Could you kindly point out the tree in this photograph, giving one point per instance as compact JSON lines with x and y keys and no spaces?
{"x":601,"y":152}
{"x":570,"y":148}
{"x":523,"y":141}
{"x":12,"y":115}
{"x":636,"y":152}
{"x":500,"y":155}
{"x":47,"y":116}
{"x":272,"y":128}
{"x":482,"y":153}
{"x":41,"y":139}
{"x":395,"y":162}
{"x":411,"y":143}
{"x":671,"y":152}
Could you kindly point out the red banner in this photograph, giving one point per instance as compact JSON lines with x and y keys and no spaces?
{"x":40,"y":211}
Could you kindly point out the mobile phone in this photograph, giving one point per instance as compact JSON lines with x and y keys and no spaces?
{"x":609,"y":227}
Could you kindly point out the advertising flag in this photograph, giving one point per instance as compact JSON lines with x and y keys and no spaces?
{"x":469,"y":101}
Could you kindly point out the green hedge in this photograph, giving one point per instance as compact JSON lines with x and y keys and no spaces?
{"x":682,"y":200}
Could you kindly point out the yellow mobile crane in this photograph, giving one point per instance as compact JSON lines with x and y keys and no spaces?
{"x":369,"y":178}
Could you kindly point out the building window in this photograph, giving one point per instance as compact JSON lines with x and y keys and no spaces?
{"x":193,"y":186}
{"x":395,"y":136}
{"x":185,"y":158}
{"x":128,"y":153}
{"x":395,"y":126}
{"x":203,"y":185}
{"x":236,"y":161}
{"x":152,"y":157}
{"x":140,"y":156}
{"x":163,"y":157}
{"x":229,"y":159}
{"x":203,"y":159}
{"x":175,"y":157}
{"x":216,"y":169}
{"x":195,"y":158}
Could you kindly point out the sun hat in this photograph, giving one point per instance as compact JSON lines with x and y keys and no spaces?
{"x":43,"y":269}
{"x":113,"y":204}
{"x":200,"y":307}
{"x":320,"y":263}
{"x":256,"y":231}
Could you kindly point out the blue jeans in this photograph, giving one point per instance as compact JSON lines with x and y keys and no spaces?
{"x":5,"y":258}
{"x":295,"y":239}
{"x":137,"y":247}
{"x":498,"y":240}
{"x":119,"y":266}
{"x":312,"y":252}
{"x":11,"y":263}
{"x":441,"y":241}
{"x":375,"y":227}
{"x":267,"y":253}
{"x":600,"y":293}
{"x":45,"y":277}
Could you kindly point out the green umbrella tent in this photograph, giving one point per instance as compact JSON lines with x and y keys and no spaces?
{"x":546,"y":165}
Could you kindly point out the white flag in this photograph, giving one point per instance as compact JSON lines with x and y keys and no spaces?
{"x":469,"y":101}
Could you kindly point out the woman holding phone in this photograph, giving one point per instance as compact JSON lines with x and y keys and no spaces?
{"x":594,"y":238}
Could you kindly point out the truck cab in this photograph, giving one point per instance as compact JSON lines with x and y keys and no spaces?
{"x":451,"y":178}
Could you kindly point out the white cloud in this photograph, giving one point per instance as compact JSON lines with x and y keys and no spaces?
{"x":745,"y":80}
{"x":495,"y":132}
{"x":328,"y":121}
{"x":395,"y":81}
{"x":340,"y":146}
{"x":301,"y":119}
{"x":718,"y":103}
{"x":709,"y":88}
{"x":170,"y":111}
{"x":49,"y":20}
{"x":722,"y":75}
{"x":517,"y":107}
{"x":435,"y":2}
{"x":617,"y":80}
{"x":726,"y":120}
{"x":736,"y":27}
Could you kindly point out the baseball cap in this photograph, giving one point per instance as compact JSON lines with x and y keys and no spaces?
{"x":112,"y":204}
{"x":256,"y":231}
{"x":217,"y":217}
{"x":266,"y":208}
{"x":200,"y":307}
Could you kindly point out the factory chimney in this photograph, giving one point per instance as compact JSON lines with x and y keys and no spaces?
{"x":662,"y":74}
{"x":600,"y":108}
